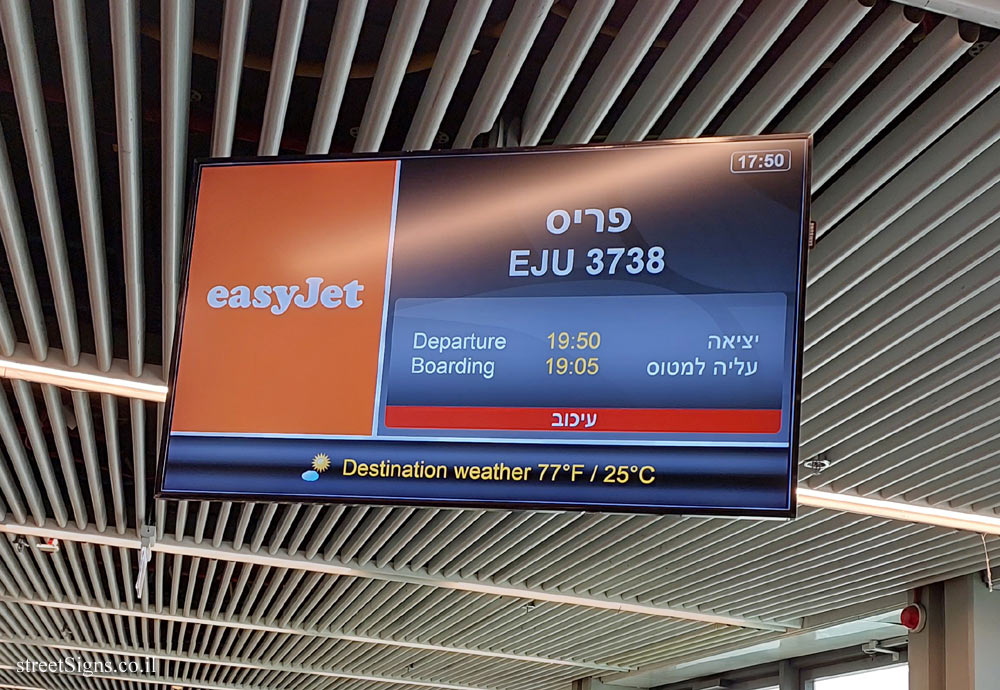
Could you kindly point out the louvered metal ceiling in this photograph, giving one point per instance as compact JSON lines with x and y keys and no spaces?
{"x":103,"y":106}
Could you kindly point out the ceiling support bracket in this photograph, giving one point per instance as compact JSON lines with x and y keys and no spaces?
{"x":147,"y":538}
{"x":874,"y":648}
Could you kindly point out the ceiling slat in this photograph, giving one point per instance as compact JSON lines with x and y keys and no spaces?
{"x":279,"y":87}
{"x":629,"y":47}
{"x":343,"y":42}
{"x":15,"y":19}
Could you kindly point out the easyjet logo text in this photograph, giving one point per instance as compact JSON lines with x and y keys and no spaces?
{"x":280,"y":298}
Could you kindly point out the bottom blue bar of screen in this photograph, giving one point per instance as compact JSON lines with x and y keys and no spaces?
{"x":724,"y":479}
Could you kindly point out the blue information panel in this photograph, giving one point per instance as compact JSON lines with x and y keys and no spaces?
{"x":599,"y":328}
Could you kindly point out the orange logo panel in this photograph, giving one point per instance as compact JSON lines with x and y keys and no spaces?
{"x":284,"y":304}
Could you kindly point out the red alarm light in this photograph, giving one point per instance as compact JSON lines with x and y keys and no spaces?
{"x":913,"y":618}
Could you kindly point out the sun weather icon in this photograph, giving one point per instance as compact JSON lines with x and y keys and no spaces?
{"x":320,"y":463}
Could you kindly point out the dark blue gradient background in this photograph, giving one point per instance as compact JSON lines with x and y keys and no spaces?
{"x":635,"y":330}
{"x":735,"y":477}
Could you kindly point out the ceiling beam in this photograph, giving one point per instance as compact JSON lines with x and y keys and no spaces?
{"x":985,"y":12}
{"x":306,"y":632}
{"x":86,"y":375}
{"x":119,"y":650}
{"x":700,"y":663}
{"x":899,"y":510}
{"x":188,"y":547}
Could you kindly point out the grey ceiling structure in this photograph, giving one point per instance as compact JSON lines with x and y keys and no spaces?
{"x":104,"y":104}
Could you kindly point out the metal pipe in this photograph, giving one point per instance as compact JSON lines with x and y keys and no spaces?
{"x":515,"y":42}
{"x":344,"y":530}
{"x":15,"y":451}
{"x":71,"y":29}
{"x":175,"y":583}
{"x":640,"y":543}
{"x":574,"y":532}
{"x":933,"y":306}
{"x":729,"y":70}
{"x":872,"y":49}
{"x":258,"y":607}
{"x":470,"y":553}
{"x":201,"y":521}
{"x":584,"y":23}
{"x":231,"y":663}
{"x":235,"y":19}
{"x":109,"y":411}
{"x":187,"y":547}
{"x":797,"y":63}
{"x":983,"y":12}
{"x":531,"y":524}
{"x":928,"y":61}
{"x":931,"y":427}
{"x":629,"y":47}
{"x":560,"y":557}
{"x":398,"y":517}
{"x":902,"y":371}
{"x":451,"y":531}
{"x":221,"y":520}
{"x":935,"y":116}
{"x":287,"y":520}
{"x":36,"y":441}
{"x":933,"y":167}
{"x":16,"y":248}
{"x":242,"y":524}
{"x":503,"y":559}
{"x":343,"y":43}
{"x":15,"y":19}
{"x":11,"y":494}
{"x":180,"y":519}
{"x":456,"y":46}
{"x":263,"y":524}
{"x":678,"y":555}
{"x":303,"y":528}
{"x":220,"y":595}
{"x":955,"y":361}
{"x":176,"y":35}
{"x":192,"y":578}
{"x":403,"y":29}
{"x":279,"y":86}
{"x":138,"y":421}
{"x":683,"y":53}
{"x":877,"y":357}
{"x":239,"y":588}
{"x":388,"y":553}
{"x":958,"y":209}
{"x":57,"y":422}
{"x":359,"y":536}
{"x":109,"y":574}
{"x":8,"y":338}
{"x":125,"y":54}
{"x":485,"y":523}
{"x":88,"y":447}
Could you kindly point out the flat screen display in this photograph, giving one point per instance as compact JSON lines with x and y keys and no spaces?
{"x":611,"y":328}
